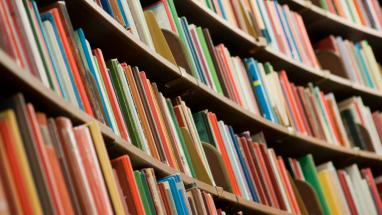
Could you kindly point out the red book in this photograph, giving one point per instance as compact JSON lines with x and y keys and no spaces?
{"x":329,"y":44}
{"x":331,"y":6}
{"x":223,"y":69}
{"x":75,"y":163}
{"x":147,"y":88}
{"x":345,"y":187}
{"x":378,"y":123}
{"x":111,"y":94}
{"x":255,"y":174}
{"x":272,"y":176}
{"x":368,"y":175}
{"x":288,"y":186}
{"x":223,"y":150}
{"x":75,"y":71}
{"x":129,"y":186}
{"x":92,"y":169}
{"x":292,"y":101}
{"x":301,"y":110}
{"x":267,"y":178}
{"x":332,"y":120}
{"x":47,"y":154}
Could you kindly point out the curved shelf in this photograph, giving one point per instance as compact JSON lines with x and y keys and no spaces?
{"x":192,"y":90}
{"x":13,"y":77}
{"x":297,"y":71}
{"x":320,"y":23}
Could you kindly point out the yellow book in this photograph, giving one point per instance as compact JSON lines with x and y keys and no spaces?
{"x":107,"y":171}
{"x":9,"y":117}
{"x":329,"y":192}
{"x":158,"y":38}
{"x":200,"y":169}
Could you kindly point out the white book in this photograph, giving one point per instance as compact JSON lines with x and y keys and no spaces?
{"x":63,"y":70}
{"x":176,"y":136}
{"x":140,"y":22}
{"x":352,"y":192}
{"x":126,"y":10}
{"x":26,"y":25}
{"x":279,"y":180}
{"x":73,"y":145}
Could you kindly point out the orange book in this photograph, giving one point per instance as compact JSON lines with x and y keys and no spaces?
{"x":21,"y":172}
{"x":72,"y":62}
{"x":361,"y":15}
{"x":339,"y":8}
{"x":110,"y":91}
{"x":224,"y":153}
{"x":287,"y":185}
{"x":129,"y":187}
{"x":8,"y":183}
{"x":292,"y":101}
{"x":168,"y":154}
{"x":55,"y":165}
{"x":57,"y":188}
{"x":332,"y":121}
{"x":141,"y":111}
{"x":92,"y":169}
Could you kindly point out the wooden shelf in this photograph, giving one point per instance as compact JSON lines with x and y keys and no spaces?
{"x":297,"y":72}
{"x":321,"y":23}
{"x":192,"y":90}
{"x":15,"y":79}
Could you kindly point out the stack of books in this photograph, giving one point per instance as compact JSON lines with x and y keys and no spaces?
{"x":365,"y":13}
{"x":338,"y":191}
{"x":356,"y":62}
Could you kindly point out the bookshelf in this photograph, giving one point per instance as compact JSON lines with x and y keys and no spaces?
{"x":116,"y":42}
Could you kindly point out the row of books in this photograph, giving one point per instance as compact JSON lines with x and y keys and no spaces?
{"x":339,"y":191}
{"x":66,"y":169}
{"x":53,"y":167}
{"x":359,"y":62}
{"x":357,"y":59}
{"x":284,"y":29}
{"x":365,"y":13}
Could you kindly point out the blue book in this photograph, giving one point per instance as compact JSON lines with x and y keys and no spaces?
{"x":194,"y":56}
{"x":258,"y":89}
{"x":49,"y":17}
{"x":49,"y":49}
{"x":280,"y":16}
{"x":123,"y":13}
{"x":107,"y":7}
{"x":289,"y":30}
{"x":271,"y":39}
{"x":244,"y":165}
{"x":363,"y":65}
{"x":222,"y":8}
{"x":178,"y":193}
{"x":88,"y":58}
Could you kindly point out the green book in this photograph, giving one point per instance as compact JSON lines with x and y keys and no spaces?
{"x":139,"y":178}
{"x":203,"y":128}
{"x":310,"y":173}
{"x":146,"y":189}
{"x":210,"y":63}
{"x":115,"y":73}
{"x":182,"y":36}
{"x":181,"y":138}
